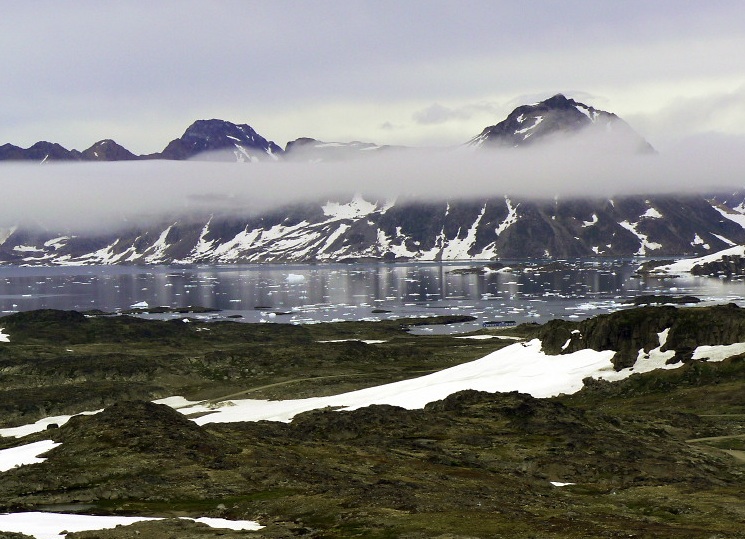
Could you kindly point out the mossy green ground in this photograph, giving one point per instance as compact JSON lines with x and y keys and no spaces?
{"x":651,"y":456}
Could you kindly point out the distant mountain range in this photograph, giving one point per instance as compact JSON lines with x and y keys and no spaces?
{"x":357,"y":229}
{"x":223,"y":140}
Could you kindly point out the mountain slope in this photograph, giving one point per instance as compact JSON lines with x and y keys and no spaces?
{"x":487,"y":229}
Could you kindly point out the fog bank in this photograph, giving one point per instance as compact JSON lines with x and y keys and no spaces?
{"x":100,"y":196}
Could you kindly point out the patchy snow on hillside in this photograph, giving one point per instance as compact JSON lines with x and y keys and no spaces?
{"x":40,"y":425}
{"x":25,"y":454}
{"x":44,"y":525}
{"x":719,"y":352}
{"x":686,"y":265}
{"x":517,"y":367}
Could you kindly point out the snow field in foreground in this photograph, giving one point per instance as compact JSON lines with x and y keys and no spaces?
{"x":24,"y":454}
{"x":52,"y":525}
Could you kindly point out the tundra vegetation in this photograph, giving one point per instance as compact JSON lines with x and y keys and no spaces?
{"x":659,"y":454}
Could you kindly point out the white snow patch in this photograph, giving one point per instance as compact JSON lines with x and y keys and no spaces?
{"x":4,"y":337}
{"x":561,"y":484}
{"x":295,"y":278}
{"x":652,"y":213}
{"x":646,"y":245}
{"x":5,"y":233}
{"x":457,"y":248}
{"x":27,"y":249}
{"x":686,"y":265}
{"x":725,"y":240}
{"x":538,"y":120}
{"x":58,"y":525}
{"x":24,"y":454}
{"x":366,"y":341}
{"x":734,"y":217}
{"x":697,"y":240}
{"x":718,"y":352}
{"x":158,"y":249}
{"x":484,"y":337}
{"x":517,"y":367}
{"x":585,"y":224}
{"x":511,"y":218}
{"x":203,"y":246}
{"x":40,"y":425}
{"x":357,"y":208}
{"x":56,"y":243}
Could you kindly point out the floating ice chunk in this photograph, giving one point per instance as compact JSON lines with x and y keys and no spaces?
{"x":294,"y":278}
{"x":139,"y":305}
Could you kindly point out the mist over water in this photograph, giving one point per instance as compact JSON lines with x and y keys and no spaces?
{"x":101,"y":197}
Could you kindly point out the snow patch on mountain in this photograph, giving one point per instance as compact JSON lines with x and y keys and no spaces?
{"x":156,"y":253}
{"x":686,"y":265}
{"x":458,"y":248}
{"x":355,"y":209}
{"x":593,"y":221}
{"x":732,"y":215}
{"x":645,"y":244}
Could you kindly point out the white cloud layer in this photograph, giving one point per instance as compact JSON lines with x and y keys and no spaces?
{"x":99,"y":196}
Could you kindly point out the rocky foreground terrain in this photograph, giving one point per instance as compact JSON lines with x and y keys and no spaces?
{"x":659,"y":454}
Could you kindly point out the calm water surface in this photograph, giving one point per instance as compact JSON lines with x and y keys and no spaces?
{"x":318,"y":293}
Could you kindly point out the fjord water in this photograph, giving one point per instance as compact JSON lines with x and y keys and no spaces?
{"x":333,"y":292}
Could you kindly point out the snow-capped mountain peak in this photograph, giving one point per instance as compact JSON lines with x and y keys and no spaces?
{"x":557,"y":115}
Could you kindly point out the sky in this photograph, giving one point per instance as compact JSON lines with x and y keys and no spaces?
{"x":418,"y":72}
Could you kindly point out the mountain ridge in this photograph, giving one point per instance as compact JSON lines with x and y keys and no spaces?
{"x":217,"y":139}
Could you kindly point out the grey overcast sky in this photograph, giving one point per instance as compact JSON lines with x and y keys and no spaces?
{"x":414,"y":72}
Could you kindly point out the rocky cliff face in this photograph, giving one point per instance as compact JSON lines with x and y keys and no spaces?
{"x":635,"y":330}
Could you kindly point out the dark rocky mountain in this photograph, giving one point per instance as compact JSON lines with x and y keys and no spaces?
{"x":558,"y":116}
{"x":220,"y":140}
{"x":41,"y":151}
{"x":488,"y":229}
{"x":107,"y":150}
{"x":211,"y":139}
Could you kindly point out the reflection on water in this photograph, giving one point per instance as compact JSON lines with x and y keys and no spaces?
{"x":309,"y":293}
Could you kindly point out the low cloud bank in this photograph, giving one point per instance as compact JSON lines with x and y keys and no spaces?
{"x":102,"y":196}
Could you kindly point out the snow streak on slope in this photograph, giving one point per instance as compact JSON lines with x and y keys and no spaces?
{"x":645,"y":244}
{"x":457,"y":248}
